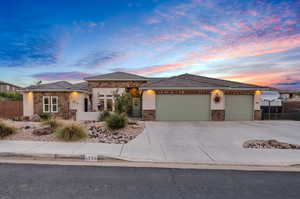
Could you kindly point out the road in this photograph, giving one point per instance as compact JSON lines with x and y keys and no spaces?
{"x":66,"y":182}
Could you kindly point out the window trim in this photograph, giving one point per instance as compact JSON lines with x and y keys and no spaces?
{"x":49,"y":104}
{"x":52,"y":105}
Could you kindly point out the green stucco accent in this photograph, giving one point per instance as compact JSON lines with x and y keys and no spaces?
{"x":238,"y":107}
{"x":182,"y":107}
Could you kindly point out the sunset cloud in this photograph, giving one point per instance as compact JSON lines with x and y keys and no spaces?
{"x":51,"y":76}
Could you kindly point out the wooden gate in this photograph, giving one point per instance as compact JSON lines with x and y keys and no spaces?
{"x":11,"y":109}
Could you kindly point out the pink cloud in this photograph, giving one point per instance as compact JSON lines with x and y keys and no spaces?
{"x":212,"y":29}
{"x":252,"y":12}
{"x":256,"y":47}
{"x":290,"y":22}
{"x":265,"y":21}
{"x":50,"y":76}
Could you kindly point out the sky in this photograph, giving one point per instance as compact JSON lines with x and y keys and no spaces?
{"x":251,"y":41}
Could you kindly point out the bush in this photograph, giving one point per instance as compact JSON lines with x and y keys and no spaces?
{"x":11,"y":95}
{"x":6,"y":130}
{"x":103,"y":116}
{"x":53,"y":123}
{"x":45,"y":116}
{"x":70,"y":132}
{"x":116,"y":121}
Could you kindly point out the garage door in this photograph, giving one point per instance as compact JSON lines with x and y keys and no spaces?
{"x":182,"y":107}
{"x":238,"y":107}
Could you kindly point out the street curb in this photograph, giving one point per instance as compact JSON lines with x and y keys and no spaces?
{"x":81,"y":158}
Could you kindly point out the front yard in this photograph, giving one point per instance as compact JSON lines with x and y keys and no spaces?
{"x":95,"y":132}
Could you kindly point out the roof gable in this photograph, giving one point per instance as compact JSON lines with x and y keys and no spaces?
{"x":116,"y":76}
{"x":58,"y":86}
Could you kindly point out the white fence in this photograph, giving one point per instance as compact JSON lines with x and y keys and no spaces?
{"x":84,"y":116}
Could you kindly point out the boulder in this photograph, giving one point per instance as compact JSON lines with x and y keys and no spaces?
{"x":35,"y":118}
{"x":42,"y":131}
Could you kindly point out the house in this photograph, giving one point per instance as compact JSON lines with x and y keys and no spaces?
{"x":7,"y":87}
{"x":183,"y":97}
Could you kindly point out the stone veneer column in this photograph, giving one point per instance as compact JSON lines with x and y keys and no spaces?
{"x":148,"y":115}
{"x":217,"y":108}
{"x":257,"y":104}
{"x":149,"y":105}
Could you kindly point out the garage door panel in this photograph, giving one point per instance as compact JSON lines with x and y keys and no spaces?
{"x":182,"y":107}
{"x":239,"y":107}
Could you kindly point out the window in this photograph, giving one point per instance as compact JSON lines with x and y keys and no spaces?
{"x":101,"y":105}
{"x":50,"y":104}
{"x":46,"y":104}
{"x":109,"y":104}
{"x":105,"y":102}
{"x":54,"y":104}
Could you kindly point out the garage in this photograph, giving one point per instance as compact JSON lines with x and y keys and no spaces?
{"x":238,"y":107}
{"x":175,"y":107}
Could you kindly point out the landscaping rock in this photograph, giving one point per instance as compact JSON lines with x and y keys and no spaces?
{"x":269,"y":144}
{"x":27,"y":127}
{"x":35,"y":118}
{"x":99,"y":131}
{"x":43,"y":131}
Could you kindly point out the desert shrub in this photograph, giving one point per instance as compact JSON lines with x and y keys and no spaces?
{"x":70,"y":132}
{"x":122,"y":102}
{"x":103,"y":116}
{"x":53,"y":123}
{"x":116,"y":121}
{"x":45,"y":116}
{"x":10,"y":95}
{"x":6,"y":130}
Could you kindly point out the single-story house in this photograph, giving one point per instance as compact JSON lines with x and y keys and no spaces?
{"x":8,"y":87}
{"x":183,"y":97}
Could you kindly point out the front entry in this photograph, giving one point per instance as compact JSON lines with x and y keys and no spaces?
{"x":183,"y":107}
{"x":136,"y":106}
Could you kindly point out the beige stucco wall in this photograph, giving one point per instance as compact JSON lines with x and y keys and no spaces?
{"x":104,"y":91}
{"x":257,"y":100}
{"x":28,"y":104}
{"x":77,"y":101}
{"x":220,"y":105}
{"x":149,"y":100}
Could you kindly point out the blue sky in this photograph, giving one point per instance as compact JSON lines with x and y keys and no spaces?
{"x":249,"y":41}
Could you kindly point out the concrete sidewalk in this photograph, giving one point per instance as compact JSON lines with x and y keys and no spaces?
{"x":180,"y":142}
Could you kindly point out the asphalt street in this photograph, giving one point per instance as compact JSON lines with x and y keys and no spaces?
{"x":49,"y":181}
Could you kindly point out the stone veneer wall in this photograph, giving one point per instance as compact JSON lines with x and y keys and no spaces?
{"x":63,"y":103}
{"x":217,"y":115}
{"x":114,"y":84}
{"x":257,"y":115}
{"x":148,"y":115}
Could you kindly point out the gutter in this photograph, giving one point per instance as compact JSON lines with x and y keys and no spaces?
{"x":202,"y":88}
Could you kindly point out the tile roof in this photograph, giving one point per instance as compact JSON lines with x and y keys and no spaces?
{"x":195,"y":81}
{"x":57,"y":86}
{"x":117,"y":76}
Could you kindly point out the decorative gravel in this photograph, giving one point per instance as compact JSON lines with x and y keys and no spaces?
{"x":96,"y":131}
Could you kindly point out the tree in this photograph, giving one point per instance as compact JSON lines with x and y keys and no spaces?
{"x":122,"y":102}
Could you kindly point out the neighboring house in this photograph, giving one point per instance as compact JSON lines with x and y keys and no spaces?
{"x":182,"y":97}
{"x":7,"y":87}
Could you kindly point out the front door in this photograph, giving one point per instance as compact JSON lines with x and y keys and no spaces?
{"x":136,"y":107}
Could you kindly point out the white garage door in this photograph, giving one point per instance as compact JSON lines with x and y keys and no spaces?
{"x":239,"y":107}
{"x":182,"y":107}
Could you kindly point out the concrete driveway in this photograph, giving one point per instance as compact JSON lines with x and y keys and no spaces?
{"x":214,"y":142}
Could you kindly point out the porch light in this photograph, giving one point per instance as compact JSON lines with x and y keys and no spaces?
{"x":74,"y":93}
{"x":257,"y":92}
{"x":217,"y":91}
{"x":150,"y":91}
